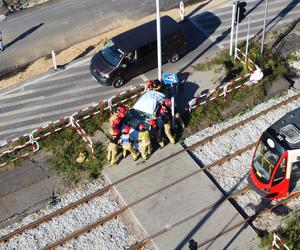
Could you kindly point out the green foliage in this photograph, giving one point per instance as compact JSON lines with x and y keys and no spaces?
{"x":209,"y":114}
{"x":289,"y":232}
{"x":273,"y":66}
{"x":65,"y":152}
{"x":292,"y":57}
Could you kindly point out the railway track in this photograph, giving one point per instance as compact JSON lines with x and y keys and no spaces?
{"x":143,"y":242}
{"x":214,"y":237}
{"x":116,"y":213}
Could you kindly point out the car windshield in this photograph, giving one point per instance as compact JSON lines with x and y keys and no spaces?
{"x":264,"y":162}
{"x":112,"y":54}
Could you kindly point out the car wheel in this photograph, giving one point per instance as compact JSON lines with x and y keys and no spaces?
{"x":174,"y":58}
{"x":118,"y":82}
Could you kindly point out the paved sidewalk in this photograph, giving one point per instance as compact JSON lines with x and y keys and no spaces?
{"x":171,"y":207}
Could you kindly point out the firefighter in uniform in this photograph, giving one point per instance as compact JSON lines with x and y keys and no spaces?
{"x":165,"y":116}
{"x":116,"y":124}
{"x":154,"y":85}
{"x":121,"y":113}
{"x":112,"y":148}
{"x":167,"y":105}
{"x":126,"y":143}
{"x":156,"y":133}
{"x":144,"y":138}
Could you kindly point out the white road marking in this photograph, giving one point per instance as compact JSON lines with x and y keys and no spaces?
{"x":58,"y":85}
{"x":144,"y":77}
{"x":49,"y":104}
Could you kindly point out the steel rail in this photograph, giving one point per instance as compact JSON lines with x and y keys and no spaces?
{"x":106,"y":188}
{"x":238,"y":224}
{"x":101,"y":221}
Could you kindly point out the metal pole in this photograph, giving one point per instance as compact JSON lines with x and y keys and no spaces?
{"x":248,"y":31}
{"x":264,"y":28}
{"x":236,"y":33}
{"x":54,"y":60}
{"x":173,"y":106}
{"x":232,"y":27}
{"x":158,"y":41}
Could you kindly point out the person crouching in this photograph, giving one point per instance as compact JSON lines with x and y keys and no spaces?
{"x":126,"y":143}
{"x":144,"y":138}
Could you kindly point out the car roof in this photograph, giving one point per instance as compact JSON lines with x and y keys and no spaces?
{"x":149,"y":102}
{"x":143,"y":34}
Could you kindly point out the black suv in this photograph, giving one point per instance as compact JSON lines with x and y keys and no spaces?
{"x":135,"y":51}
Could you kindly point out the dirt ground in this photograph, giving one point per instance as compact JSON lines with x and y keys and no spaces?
{"x":44,"y":64}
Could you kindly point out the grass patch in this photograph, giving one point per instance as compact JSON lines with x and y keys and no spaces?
{"x":289,"y":232}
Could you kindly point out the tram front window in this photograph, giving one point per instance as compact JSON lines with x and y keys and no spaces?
{"x":264,"y":162}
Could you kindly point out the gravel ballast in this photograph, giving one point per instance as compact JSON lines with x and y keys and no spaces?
{"x":112,"y":235}
{"x":232,"y":175}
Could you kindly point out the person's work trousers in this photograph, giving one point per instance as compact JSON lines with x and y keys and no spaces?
{"x":168,"y":133}
{"x":146,"y":150}
{"x":112,"y":152}
{"x":128,"y":147}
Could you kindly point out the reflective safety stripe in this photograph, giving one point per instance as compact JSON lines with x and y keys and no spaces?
{"x":125,"y":139}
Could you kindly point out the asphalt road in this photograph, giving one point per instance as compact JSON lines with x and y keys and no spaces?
{"x":33,"y":33}
{"x":39,"y":101}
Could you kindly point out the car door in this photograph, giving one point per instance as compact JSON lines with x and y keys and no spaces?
{"x":129,"y":65}
{"x":147,"y":57}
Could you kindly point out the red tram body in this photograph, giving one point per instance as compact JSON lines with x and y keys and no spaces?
{"x":275,"y":167}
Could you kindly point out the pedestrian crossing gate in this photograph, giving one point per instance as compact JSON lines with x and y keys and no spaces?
{"x":223,"y":90}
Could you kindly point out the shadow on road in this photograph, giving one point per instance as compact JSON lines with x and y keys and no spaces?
{"x":195,"y":37}
{"x":191,"y":28}
{"x":197,"y":9}
{"x":23,"y":35}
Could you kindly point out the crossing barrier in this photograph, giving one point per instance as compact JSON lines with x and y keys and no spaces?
{"x":248,"y":79}
{"x":278,"y":244}
{"x":10,"y":150}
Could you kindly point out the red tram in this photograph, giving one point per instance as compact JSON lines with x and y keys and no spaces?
{"x":275,"y":167}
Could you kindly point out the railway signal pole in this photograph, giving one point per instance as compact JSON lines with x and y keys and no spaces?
{"x":264,"y":29}
{"x":247,"y":41}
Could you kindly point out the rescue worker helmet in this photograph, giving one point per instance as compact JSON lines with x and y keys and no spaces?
{"x":152,"y":123}
{"x":126,"y":130}
{"x":115,"y":131}
{"x":141,"y":127}
{"x":168,"y":103}
{"x":121,"y":114}
{"x":116,"y":122}
{"x":122,"y":109}
{"x":149,"y":83}
{"x":163,"y":109}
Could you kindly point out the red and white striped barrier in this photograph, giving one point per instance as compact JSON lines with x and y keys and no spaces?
{"x":246,"y":59}
{"x":254,"y":76}
{"x":82,"y":133}
{"x":225,"y":89}
{"x":281,"y":245}
{"x":65,"y":122}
